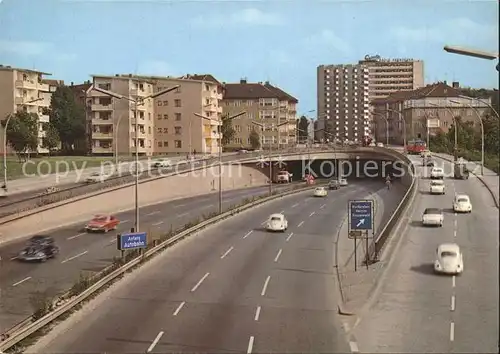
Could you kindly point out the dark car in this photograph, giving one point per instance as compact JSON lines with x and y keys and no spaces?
{"x":333,"y":184}
{"x":39,"y":249}
{"x":460,"y":171}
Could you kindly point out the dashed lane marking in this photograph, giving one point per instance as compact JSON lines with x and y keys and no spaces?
{"x":76,"y":236}
{"x":74,"y":257}
{"x":155,"y":342}
{"x":453,"y":303}
{"x":312,"y":213}
{"x":300,"y":224}
{"x":266,"y":283}
{"x":452,"y":332}
{"x":257,"y":314}
{"x":227,"y":252}
{"x":178,"y":309}
{"x":157,"y":223}
{"x":278,"y":255}
{"x":250,"y":345}
{"x":289,"y":237}
{"x":199,"y":282}
{"x":248,"y":233}
{"x":21,"y":281}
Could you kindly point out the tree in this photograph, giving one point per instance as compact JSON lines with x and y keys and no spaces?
{"x":302,"y":129}
{"x":68,"y":118}
{"x":51,"y":140}
{"x":22,"y":132}
{"x":254,"y":139}
{"x":227,"y":130}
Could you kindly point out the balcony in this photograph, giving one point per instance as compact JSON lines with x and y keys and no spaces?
{"x":43,"y":118}
{"x":99,"y":135}
{"x":26,"y":101}
{"x":102,"y":122}
{"x":141,"y":134}
{"x":102,"y":150}
{"x":211,"y":135}
{"x":100,"y":107}
{"x":31,"y":85}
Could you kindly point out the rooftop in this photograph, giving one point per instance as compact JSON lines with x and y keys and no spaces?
{"x":245,"y":90}
{"x":10,"y":68}
{"x":440,"y":89}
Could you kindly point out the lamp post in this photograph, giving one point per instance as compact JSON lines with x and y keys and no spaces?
{"x":470,"y":52}
{"x":264,"y":127}
{"x":455,"y":124}
{"x":137,"y":102}
{"x":219,"y":123}
{"x":481,"y":101}
{"x":402,"y":119}
{"x":386,"y":126}
{"x":116,"y":141}
{"x":5,"y":142}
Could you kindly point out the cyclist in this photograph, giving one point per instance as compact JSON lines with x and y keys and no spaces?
{"x":388,"y":181}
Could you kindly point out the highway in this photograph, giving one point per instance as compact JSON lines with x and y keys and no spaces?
{"x":231,"y":288}
{"x":88,"y":253}
{"x":417,"y":311}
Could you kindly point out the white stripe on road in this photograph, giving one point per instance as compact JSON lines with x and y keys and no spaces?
{"x":155,"y":342}
{"x":73,"y":237}
{"x":321,"y":207}
{"x":248,"y":234}
{"x":453,"y":303}
{"x":354,"y":347}
{"x":74,"y":257}
{"x":21,"y":281}
{"x":199,"y":282}
{"x":453,"y":281}
{"x":278,"y":255}
{"x":295,"y":205}
{"x":257,"y":314}
{"x":289,"y":237}
{"x":312,"y":213}
{"x":153,"y":213}
{"x":227,"y":252}
{"x":181,"y":305}
{"x":250,"y":345}
{"x":452,"y":332}
{"x":264,"y":288}
{"x":157,"y":223}
{"x":300,"y":224}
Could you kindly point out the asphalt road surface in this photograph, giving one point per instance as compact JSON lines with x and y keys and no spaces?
{"x":420,"y":312}
{"x":232,"y":288}
{"x":86,"y":253}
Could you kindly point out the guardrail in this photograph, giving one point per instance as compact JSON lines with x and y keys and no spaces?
{"x":27,"y":327}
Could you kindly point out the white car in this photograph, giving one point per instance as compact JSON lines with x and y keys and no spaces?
{"x":462,"y":204}
{"x":95,"y":177}
{"x":283,"y":177}
{"x":343,"y":182}
{"x":433,"y":217}
{"x":449,"y":259}
{"x":425,"y":153}
{"x":277,"y":222}
{"x":320,"y":192}
{"x":161,"y":163}
{"x":437,"y":187}
{"x":437,"y":173}
{"x":380,"y":145}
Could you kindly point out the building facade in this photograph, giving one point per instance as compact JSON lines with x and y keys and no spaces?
{"x":166,"y":124}
{"x":25,"y":90}
{"x":423,"y":112}
{"x":265,"y":104}
{"x":343,"y":102}
{"x":81,"y":92}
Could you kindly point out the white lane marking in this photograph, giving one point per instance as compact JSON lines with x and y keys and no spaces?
{"x":227,"y":252}
{"x":264,"y":288}
{"x":264,"y":222}
{"x":178,"y":309}
{"x":199,"y":282}
{"x":208,"y":206}
{"x":248,"y":234}
{"x":453,"y":303}
{"x":312,"y":213}
{"x":321,"y":207}
{"x":250,"y":345}
{"x":124,"y":221}
{"x":112,"y":240}
{"x":453,"y":281}
{"x":153,"y":213}
{"x":455,"y":222}
{"x":257,"y":314}
{"x":155,"y":342}
{"x":354,"y":347}
{"x":300,"y":224}
{"x":78,"y":235}
{"x":21,"y":281}
{"x":74,"y":257}
{"x":182,"y":214}
{"x":452,"y":332}
{"x":157,"y":223}
{"x":295,"y":205}
{"x":454,"y":233}
{"x":179,"y":205}
{"x":14,"y":258}
{"x":289,"y":237}
{"x":278,"y":255}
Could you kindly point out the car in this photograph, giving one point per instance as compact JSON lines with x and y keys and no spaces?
{"x":103,"y":223}
{"x":462,"y":204}
{"x":433,"y":217}
{"x":437,"y":187}
{"x":283,"y":177}
{"x":460,"y":171}
{"x":343,"y":182}
{"x":320,"y":192}
{"x":161,"y":163}
{"x":428,"y":162}
{"x":437,"y":173}
{"x":95,"y":177}
{"x":39,"y":249}
{"x":277,"y":222}
{"x":333,"y":184}
{"x":425,"y":153}
{"x":380,"y":145}
{"x":449,"y":259}
{"x":372,"y":144}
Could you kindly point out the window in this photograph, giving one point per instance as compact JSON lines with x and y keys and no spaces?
{"x":178,"y":144}
{"x":160,"y":144}
{"x":165,"y":130}
{"x":178,"y":130}
{"x":141,"y":87}
{"x":159,"y":116}
{"x":178,"y":116}
{"x":178,"y":90}
{"x":165,"y":103}
{"x":159,"y":130}
{"x":207,"y":87}
{"x":165,"y":116}
{"x":165,"y":144}
{"x":149,"y":130}
{"x":237,"y":128}
{"x":177,"y":103}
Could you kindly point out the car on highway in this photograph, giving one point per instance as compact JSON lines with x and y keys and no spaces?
{"x":39,"y":249}
{"x":462,"y":204}
{"x":333,"y":184}
{"x":283,"y":177}
{"x":277,"y":222}
{"x":102,"y":223}
{"x":380,"y":145}
{"x":320,"y":192}
{"x":437,"y":187}
{"x":433,"y":217}
{"x":343,"y":182}
{"x":96,"y":177}
{"x":428,"y":162}
{"x":161,"y":163}
{"x":460,"y":171}
{"x":449,"y":259}
{"x":425,"y":153}
{"x":437,"y":173}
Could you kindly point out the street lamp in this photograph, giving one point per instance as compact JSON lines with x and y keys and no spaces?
{"x":220,"y":148}
{"x":482,"y":132}
{"x":386,"y":126}
{"x":264,"y":127}
{"x":455,"y":123}
{"x":137,"y":102}
{"x":470,"y":52}
{"x":5,"y":143}
{"x":116,"y":141}
{"x":481,"y":101}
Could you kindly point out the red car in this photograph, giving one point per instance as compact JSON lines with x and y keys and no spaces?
{"x":102,"y":223}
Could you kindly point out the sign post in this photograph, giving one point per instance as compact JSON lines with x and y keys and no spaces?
{"x":361,"y":221}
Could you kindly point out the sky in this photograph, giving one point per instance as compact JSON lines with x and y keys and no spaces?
{"x":278,"y":41}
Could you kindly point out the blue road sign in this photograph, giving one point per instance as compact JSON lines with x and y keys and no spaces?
{"x":132,"y":241}
{"x":361,"y":214}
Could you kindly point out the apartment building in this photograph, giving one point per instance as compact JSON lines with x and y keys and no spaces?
{"x":24,"y":89}
{"x":166,"y":124}
{"x":265,"y":104}
{"x":386,"y":76}
{"x":423,"y":112}
{"x":343,"y":102}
